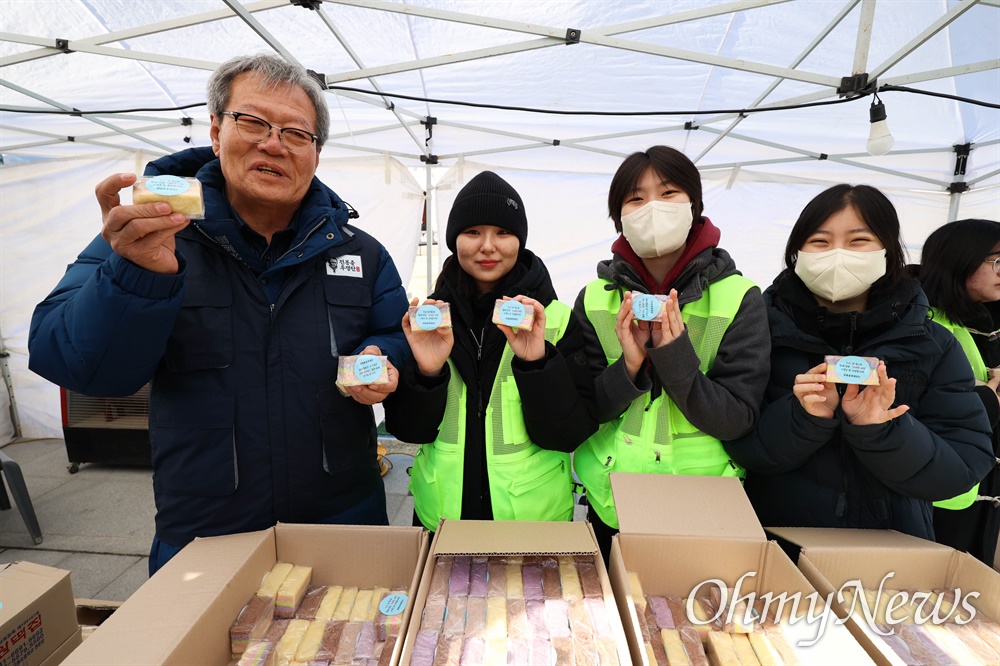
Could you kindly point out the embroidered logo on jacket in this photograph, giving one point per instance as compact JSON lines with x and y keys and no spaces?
{"x":348,"y":265}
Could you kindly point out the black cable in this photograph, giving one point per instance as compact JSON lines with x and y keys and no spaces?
{"x":479,"y":105}
{"x":988,"y":105}
{"x":529,"y":109}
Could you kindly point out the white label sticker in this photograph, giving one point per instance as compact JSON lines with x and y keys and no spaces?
{"x":167,"y":185}
{"x":349,"y":265}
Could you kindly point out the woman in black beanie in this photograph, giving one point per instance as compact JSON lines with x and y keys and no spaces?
{"x":498,"y":409}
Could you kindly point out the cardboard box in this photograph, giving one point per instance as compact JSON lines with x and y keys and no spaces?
{"x":489,"y":537}
{"x":831,"y":558}
{"x":677,"y":532}
{"x":91,"y":613}
{"x":37,"y":615}
{"x":182,"y":615}
{"x":60,"y":653}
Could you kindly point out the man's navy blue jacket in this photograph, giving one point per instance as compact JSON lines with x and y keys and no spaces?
{"x":246,"y":424}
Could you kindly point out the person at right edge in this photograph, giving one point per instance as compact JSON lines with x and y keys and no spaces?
{"x":960,"y":273}
{"x":667,"y":392}
{"x":828,"y":454}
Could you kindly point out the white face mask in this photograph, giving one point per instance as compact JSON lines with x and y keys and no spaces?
{"x":838,"y":275}
{"x":657,"y":228}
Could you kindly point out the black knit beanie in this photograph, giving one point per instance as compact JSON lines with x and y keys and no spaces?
{"x":487,"y":199}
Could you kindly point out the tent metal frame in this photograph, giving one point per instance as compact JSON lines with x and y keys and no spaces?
{"x":545,"y":36}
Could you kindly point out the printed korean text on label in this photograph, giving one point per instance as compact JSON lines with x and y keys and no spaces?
{"x":393,"y":604}
{"x":645,"y":307}
{"x":368,"y":368}
{"x":167,"y":185}
{"x":853,"y":369}
{"x":428,"y":317}
{"x":512,"y":313}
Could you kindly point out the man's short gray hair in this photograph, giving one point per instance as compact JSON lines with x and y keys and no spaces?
{"x":274,"y":71}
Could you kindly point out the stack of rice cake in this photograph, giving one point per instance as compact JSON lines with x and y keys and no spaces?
{"x":747,"y":638}
{"x":928,"y":627}
{"x":526,"y":610}
{"x":290,"y":623}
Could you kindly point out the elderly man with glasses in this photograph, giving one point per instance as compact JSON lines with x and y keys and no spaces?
{"x":238,"y":320}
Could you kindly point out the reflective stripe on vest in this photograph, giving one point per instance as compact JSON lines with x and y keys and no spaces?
{"x":526,"y":481}
{"x":961,"y":333}
{"x":654,"y":437}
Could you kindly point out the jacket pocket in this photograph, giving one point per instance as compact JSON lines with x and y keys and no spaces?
{"x":202,"y":338}
{"x":348,"y":301}
{"x":515,"y":432}
{"x":436,"y":490}
{"x":545,"y":495}
{"x":194,"y":443}
{"x":348,"y":431}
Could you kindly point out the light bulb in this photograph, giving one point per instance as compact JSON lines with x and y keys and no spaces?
{"x":879,"y":138}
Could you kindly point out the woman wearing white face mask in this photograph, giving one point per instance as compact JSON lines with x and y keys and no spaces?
{"x":667,"y":392}
{"x":840,"y":455}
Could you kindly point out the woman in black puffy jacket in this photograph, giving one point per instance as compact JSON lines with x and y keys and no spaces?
{"x":828,"y":454}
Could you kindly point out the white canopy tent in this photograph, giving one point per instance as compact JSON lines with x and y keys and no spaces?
{"x":711,"y":64}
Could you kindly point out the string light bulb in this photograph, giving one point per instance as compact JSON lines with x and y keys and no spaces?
{"x":879,"y":138}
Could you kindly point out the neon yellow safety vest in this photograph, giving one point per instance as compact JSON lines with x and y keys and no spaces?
{"x":961,"y":333}
{"x":526,"y":481}
{"x":655,"y":437}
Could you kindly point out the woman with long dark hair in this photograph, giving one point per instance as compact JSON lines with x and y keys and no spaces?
{"x":832,"y":454}
{"x":498,"y":408}
{"x":960,"y":273}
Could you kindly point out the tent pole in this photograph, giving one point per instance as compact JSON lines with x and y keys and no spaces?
{"x":15,"y":421}
{"x":429,"y":225}
{"x":956,"y":199}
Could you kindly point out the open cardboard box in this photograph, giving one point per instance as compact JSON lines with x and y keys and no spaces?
{"x":91,"y":613}
{"x":678,"y":532}
{"x":182,"y":615}
{"x":489,"y":537}
{"x":37,"y":615}
{"x":831,"y":558}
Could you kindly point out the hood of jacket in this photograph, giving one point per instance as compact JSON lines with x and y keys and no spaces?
{"x":797,"y":320}
{"x":321,"y":212}
{"x":703,"y":236}
{"x":706,"y":266}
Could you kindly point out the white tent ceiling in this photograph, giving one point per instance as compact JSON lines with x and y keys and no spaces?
{"x":110,"y":58}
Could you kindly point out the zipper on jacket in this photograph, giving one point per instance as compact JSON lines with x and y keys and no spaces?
{"x":231,"y":254}
{"x":850,"y":339}
{"x":608,"y":461}
{"x":657,"y":452}
{"x":304,"y":239}
{"x":479,"y":342}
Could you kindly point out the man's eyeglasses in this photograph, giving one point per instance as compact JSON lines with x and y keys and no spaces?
{"x":995,"y":262}
{"x":257,"y":130}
